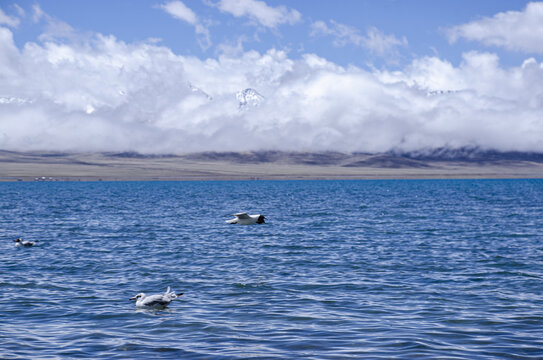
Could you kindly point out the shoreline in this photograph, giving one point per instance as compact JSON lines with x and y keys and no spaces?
{"x":396,"y":176}
{"x":42,"y":166}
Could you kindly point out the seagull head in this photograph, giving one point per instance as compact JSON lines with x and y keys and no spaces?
{"x":18,"y":240}
{"x":137,"y":297}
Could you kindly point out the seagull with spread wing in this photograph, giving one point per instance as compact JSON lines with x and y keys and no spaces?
{"x":246,"y":219}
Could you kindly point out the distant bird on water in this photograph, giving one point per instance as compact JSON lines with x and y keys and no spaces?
{"x":246,"y":219}
{"x":158,"y":301}
{"x":19,"y":242}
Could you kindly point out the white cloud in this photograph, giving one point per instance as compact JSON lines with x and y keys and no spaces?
{"x":107,"y":95}
{"x":513,"y":30}
{"x":381,"y":43}
{"x":231,"y":49}
{"x":260,"y":12}
{"x":7,"y":20}
{"x":180,"y":11}
{"x":37,"y":13}
{"x":343,"y":34}
{"x":374,"y":40}
{"x":55,"y":29}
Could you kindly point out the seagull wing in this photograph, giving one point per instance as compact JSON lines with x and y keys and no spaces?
{"x":242,"y":216}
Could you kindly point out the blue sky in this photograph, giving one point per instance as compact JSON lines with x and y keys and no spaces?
{"x":349,"y":75}
{"x":423,"y":24}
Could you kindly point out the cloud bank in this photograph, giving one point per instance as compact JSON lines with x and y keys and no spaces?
{"x":106,"y":95}
{"x":513,"y":30}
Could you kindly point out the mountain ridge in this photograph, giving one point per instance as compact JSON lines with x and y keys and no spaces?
{"x":319,"y":158}
{"x":271,"y":165}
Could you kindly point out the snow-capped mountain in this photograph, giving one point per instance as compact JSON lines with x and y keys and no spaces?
{"x":249,"y":98}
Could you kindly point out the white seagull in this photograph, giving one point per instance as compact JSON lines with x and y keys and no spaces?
{"x":158,"y":301}
{"x":246,"y":219}
{"x":19,"y":242}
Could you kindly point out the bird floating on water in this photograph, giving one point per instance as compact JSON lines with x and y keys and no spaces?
{"x":246,"y":219}
{"x":19,"y":242}
{"x":158,"y":301}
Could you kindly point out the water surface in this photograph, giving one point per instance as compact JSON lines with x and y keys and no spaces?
{"x":342,"y":269}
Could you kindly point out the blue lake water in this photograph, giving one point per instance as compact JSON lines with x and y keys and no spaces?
{"x":448,"y":269}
